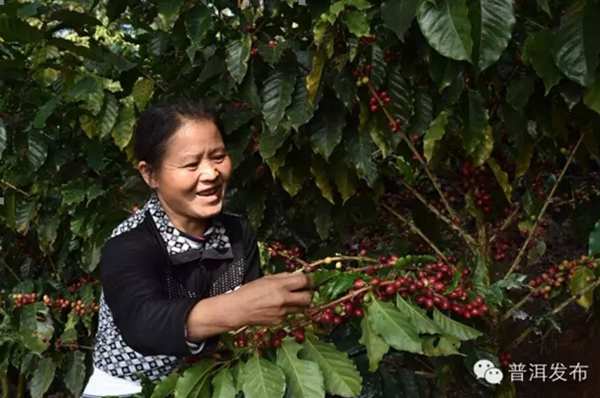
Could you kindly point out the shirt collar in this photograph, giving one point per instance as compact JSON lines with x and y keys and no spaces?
{"x":214,"y":245}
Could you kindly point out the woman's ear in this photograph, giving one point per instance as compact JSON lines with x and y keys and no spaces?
{"x":147,"y":174}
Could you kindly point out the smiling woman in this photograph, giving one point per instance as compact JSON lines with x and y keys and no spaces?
{"x":172,"y":273}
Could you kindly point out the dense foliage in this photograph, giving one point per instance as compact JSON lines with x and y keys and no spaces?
{"x":367,"y":134}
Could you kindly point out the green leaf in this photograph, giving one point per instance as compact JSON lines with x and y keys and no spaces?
{"x":313,"y":79}
{"x":261,"y":378}
{"x":73,"y":192}
{"x":304,"y":379}
{"x":237,"y":56}
{"x":436,"y":346}
{"x":300,"y":111}
{"x":270,"y":141}
{"x":591,"y":97}
{"x":357,"y":22}
{"x":15,"y":29}
{"x":401,"y":96}
{"x":577,"y":47}
{"x":42,"y":377}
{"x":37,"y":149}
{"x":379,"y":66}
{"x":492,"y":30}
{"x":292,"y":177}
{"x":88,"y":125}
{"x":26,"y":210}
{"x":338,"y":285}
{"x":583,"y":278}
{"x":3,"y":138}
{"x":416,"y":317}
{"x":223,"y":386}
{"x":344,"y":178}
{"x":339,"y":372}
{"x":142,"y":92}
{"x":198,"y":22}
{"x":446,"y":26}
{"x":327,"y":131}
{"x":436,"y":132}
{"x":44,"y":112}
{"x":524,"y":156}
{"x":398,"y":15}
{"x":322,"y":219}
{"x":391,"y":325}
{"x":75,"y":374}
{"x":476,"y":134}
{"x":36,"y":327}
{"x":166,"y":387}
{"x":454,"y":328}
{"x":536,"y":54}
{"x":502,"y":178}
{"x":277,"y":96}
{"x":318,"y":169}
{"x":361,"y":148}
{"x":168,"y":13}
{"x":375,"y":345}
{"x":594,"y":240}
{"x":109,"y":116}
{"x":519,"y":91}
{"x":193,"y":378}
{"x":123,"y":129}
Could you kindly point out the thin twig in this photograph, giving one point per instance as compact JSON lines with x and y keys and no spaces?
{"x":328,"y":260}
{"x":416,"y":230}
{"x":418,"y":156}
{"x":463,"y":234}
{"x":517,"y":260}
{"x":11,"y":186}
{"x":509,"y":220}
{"x":556,"y":310}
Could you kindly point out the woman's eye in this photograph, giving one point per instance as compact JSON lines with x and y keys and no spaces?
{"x":191,"y":165}
{"x":220,"y":158}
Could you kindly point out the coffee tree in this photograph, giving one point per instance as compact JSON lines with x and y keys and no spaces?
{"x":432,"y":165}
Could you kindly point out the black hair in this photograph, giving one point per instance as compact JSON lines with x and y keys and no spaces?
{"x":158,"y":123}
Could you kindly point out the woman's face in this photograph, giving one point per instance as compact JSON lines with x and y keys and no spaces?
{"x":193,"y":175}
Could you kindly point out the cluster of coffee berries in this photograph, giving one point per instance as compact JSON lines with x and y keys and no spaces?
{"x":289,"y":255}
{"x":558,"y":276}
{"x":349,"y":308}
{"x":363,"y":246}
{"x":362,"y":73}
{"x":21,"y":299}
{"x":476,"y":179}
{"x":367,"y":40}
{"x":83,"y":280}
{"x":380,"y":97}
{"x":81,"y":308}
{"x":78,"y":306}
{"x":265,"y":338}
{"x":500,"y":248}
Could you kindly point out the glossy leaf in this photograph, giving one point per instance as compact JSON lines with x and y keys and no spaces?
{"x":313,"y":79}
{"x":475,"y":136}
{"x":327,"y":132}
{"x":44,"y":112}
{"x":446,"y":26}
{"x":166,"y":387}
{"x":492,"y":30}
{"x":401,"y":95}
{"x":318,"y":169}
{"x":36,"y":327}
{"x":536,"y":54}
{"x":502,"y":178}
{"x":581,"y":280}
{"x":193,"y":378}
{"x":416,"y":317}
{"x":592,"y":97}
{"x":142,"y":92}
{"x":356,"y":22}
{"x":37,"y":149}
{"x":75,"y":375}
{"x":344,"y":178}
{"x":436,"y":132}
{"x":300,"y":110}
{"x":375,"y":345}
{"x":123,"y":129}
{"x":389,"y":323}
{"x":454,"y":328}
{"x":398,"y":15}
{"x":223,"y":386}
{"x":237,"y":56}
{"x":339,"y":372}
{"x":109,"y":116}
{"x":576,"y":47}
{"x":168,"y":13}
{"x":42,"y":377}
{"x":436,"y":346}
{"x":361,"y":148}
{"x":277,"y":96}
{"x":304,"y":378}
{"x":198,"y":22}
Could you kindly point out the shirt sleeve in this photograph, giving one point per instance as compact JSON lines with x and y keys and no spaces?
{"x":133,"y":282}
{"x":251,"y":254}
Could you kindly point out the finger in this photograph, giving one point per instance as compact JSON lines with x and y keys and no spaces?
{"x":292,"y":310}
{"x":279,"y":275}
{"x":295,"y":299}
{"x":297,"y":282}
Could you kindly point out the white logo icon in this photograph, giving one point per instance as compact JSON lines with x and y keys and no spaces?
{"x":485,"y":369}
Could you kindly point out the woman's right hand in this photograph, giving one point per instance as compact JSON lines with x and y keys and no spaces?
{"x":267,"y":300}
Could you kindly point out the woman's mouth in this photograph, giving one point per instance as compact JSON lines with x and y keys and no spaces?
{"x":211,"y":193}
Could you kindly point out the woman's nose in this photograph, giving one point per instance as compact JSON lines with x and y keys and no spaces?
{"x":208,"y":173}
